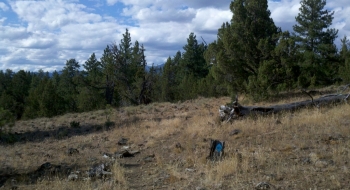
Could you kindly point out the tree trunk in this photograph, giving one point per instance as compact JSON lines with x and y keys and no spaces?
{"x":231,"y":112}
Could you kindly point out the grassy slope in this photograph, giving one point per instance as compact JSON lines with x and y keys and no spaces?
{"x":308,"y":149}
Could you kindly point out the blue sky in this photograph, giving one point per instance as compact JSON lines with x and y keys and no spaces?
{"x":44,"y":34}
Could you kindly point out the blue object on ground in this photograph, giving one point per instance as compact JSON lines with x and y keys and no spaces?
{"x":218,"y":147}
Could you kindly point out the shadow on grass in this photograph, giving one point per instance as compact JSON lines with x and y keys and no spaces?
{"x":45,"y":171}
{"x":61,"y":132}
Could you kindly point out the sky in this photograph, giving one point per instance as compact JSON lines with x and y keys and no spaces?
{"x":44,"y":34}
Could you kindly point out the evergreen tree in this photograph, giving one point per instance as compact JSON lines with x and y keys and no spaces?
{"x":278,"y":73}
{"x":127,"y":64}
{"x":7,"y":100}
{"x":91,"y":92}
{"x":316,"y":41}
{"x":192,"y":68}
{"x":243,"y":45}
{"x":68,"y":87}
{"x":32,"y":106}
{"x":193,"y":62}
{"x":108,"y":69}
{"x":344,"y":70}
{"x":51,"y":103}
{"x":20,"y":89}
{"x":6,"y":119}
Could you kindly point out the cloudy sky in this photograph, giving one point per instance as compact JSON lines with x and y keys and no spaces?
{"x":44,"y":34}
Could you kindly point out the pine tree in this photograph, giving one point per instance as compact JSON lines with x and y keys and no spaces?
{"x":237,"y":52}
{"x":68,"y":87}
{"x":316,"y":41}
{"x":108,"y":69}
{"x":128,"y":69}
{"x":91,"y":94}
{"x":344,"y":70}
{"x":193,"y":61}
{"x":51,"y":103}
{"x":170,"y":78}
{"x":32,"y":106}
{"x":20,"y":89}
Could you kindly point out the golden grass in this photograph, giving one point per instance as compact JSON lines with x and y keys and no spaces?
{"x":309,"y":149}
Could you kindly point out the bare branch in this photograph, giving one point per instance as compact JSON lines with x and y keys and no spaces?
{"x":312,"y":99}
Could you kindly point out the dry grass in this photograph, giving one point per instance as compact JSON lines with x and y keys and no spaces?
{"x":309,"y":149}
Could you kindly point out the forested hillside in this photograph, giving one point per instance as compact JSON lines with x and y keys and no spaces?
{"x":251,"y":56}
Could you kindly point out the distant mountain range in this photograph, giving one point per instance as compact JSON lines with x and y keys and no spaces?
{"x":148,"y":67}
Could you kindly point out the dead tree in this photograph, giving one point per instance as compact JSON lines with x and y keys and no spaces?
{"x":235,"y":110}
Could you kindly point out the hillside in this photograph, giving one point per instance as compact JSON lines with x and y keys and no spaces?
{"x":308,"y":149}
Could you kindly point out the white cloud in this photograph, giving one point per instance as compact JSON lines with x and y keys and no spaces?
{"x":3,"y":6}
{"x":50,"y":32}
{"x":112,"y":2}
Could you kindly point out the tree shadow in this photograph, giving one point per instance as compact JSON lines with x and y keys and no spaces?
{"x":61,"y":132}
{"x":45,"y":171}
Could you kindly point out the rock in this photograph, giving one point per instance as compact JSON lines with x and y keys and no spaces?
{"x":122,"y":141}
{"x":331,"y":138}
{"x":190,"y":170}
{"x":313,"y":157}
{"x":125,"y":153}
{"x":263,"y":186}
{"x":72,"y":151}
{"x":13,"y":184}
{"x":306,"y":160}
{"x":72,"y":177}
{"x":149,"y":158}
{"x":235,"y":132}
{"x":99,"y":171}
{"x":107,"y":155}
{"x":178,"y":145}
{"x":321,"y":164}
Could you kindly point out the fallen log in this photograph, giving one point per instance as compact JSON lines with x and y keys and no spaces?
{"x":236,"y":110}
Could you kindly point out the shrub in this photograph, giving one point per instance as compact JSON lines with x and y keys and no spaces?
{"x":75,"y":124}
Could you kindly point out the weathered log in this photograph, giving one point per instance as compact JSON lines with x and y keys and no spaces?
{"x":236,"y":110}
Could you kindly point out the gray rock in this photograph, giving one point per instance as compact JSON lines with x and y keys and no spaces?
{"x":321,"y":164}
{"x":149,"y":158}
{"x":263,"y":186}
{"x":72,"y":151}
{"x":190,"y":170}
{"x":72,"y":177}
{"x":99,"y":171}
{"x":235,"y":132}
{"x":122,"y":141}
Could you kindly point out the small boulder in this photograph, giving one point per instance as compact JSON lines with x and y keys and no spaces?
{"x":263,"y":186}
{"x":321,"y":164}
{"x":72,"y":151}
{"x":235,"y":132}
{"x":149,"y":158}
{"x":122,"y":141}
{"x":72,"y":177}
{"x":178,"y":145}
